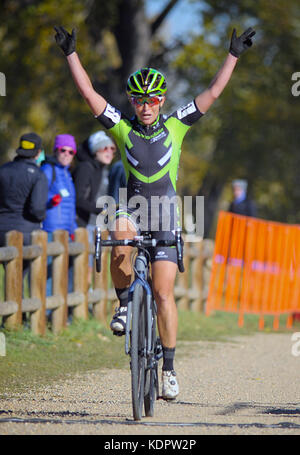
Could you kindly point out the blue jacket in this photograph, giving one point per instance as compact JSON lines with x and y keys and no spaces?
{"x":60,"y":182}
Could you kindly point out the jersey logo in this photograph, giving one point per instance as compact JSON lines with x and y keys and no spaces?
{"x":161,"y":254}
{"x":112,"y":113}
{"x":186,"y":110}
{"x":158,"y":137}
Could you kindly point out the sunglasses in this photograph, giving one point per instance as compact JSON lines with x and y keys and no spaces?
{"x":109,"y":147}
{"x":141,"y":100}
{"x":70,"y":152}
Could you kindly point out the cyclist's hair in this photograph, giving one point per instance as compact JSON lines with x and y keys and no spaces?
{"x":146,"y":81}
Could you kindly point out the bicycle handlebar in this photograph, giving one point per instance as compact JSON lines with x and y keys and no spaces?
{"x":138,"y":241}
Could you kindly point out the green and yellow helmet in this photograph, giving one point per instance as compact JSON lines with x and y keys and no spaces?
{"x":146,"y":81}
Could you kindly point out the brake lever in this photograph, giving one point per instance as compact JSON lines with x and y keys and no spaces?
{"x":98,"y":249}
{"x":179,"y":248}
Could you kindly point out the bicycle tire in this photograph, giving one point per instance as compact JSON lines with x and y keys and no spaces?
{"x":151,"y":379}
{"x":137,"y":352}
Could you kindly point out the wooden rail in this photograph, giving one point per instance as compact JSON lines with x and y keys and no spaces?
{"x":190,"y":291}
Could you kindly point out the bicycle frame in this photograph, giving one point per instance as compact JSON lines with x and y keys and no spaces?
{"x":141,"y":272}
{"x":149,"y":351}
{"x":141,"y":275}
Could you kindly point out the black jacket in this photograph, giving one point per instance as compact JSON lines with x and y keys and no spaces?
{"x":87,"y":177}
{"x":245,"y":207}
{"x":117,"y":180}
{"x":23,"y":195}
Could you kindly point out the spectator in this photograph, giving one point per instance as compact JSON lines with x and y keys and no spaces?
{"x":91,"y":180}
{"x":117,"y":180}
{"x":241,"y":205}
{"x":23,"y":192}
{"x":61,"y":204}
{"x":91,"y":176}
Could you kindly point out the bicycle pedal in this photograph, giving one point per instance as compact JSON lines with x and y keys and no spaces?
{"x":118,"y":334}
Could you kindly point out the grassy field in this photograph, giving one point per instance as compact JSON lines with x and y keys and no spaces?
{"x":87,"y":345}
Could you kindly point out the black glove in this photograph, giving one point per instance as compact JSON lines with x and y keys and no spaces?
{"x":66,"y":41}
{"x":240,"y":43}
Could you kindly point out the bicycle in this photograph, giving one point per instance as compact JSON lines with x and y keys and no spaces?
{"x":141,"y":341}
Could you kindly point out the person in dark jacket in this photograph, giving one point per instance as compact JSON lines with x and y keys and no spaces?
{"x":91,"y":180}
{"x":91,"y":175}
{"x":23,"y":190}
{"x":23,"y":193}
{"x":117,"y":180}
{"x":241,"y":205}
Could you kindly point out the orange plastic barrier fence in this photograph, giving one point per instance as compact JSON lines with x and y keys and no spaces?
{"x":256,"y":269}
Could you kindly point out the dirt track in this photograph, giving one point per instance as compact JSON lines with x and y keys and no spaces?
{"x":247,"y":386}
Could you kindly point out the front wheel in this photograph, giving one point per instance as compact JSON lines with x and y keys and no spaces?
{"x":150,"y":397}
{"x":138,"y":351}
{"x":151,"y":379}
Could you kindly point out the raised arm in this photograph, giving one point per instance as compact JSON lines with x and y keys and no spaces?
{"x":238,"y":45}
{"x":67,"y":42}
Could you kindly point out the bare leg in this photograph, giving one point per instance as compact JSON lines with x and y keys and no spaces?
{"x":120,"y":265}
{"x":163,"y":280}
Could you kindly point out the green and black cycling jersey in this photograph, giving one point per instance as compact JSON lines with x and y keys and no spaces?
{"x":150,"y":154}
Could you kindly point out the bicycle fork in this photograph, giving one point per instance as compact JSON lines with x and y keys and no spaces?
{"x":141,"y":267}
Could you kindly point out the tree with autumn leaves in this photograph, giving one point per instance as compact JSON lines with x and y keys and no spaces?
{"x":251,"y":132}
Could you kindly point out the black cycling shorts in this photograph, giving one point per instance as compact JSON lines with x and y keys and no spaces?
{"x":159,"y":253}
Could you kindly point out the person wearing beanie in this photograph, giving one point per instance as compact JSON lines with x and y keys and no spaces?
{"x":91,"y":180}
{"x":241,"y":204}
{"x":23,"y":204}
{"x":61,"y":202}
{"x":23,"y":192}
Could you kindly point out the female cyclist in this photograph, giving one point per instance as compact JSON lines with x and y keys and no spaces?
{"x":150,"y":146}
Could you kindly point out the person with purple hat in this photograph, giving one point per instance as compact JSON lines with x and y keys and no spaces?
{"x":61,"y":203}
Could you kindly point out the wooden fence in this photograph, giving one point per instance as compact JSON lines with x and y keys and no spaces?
{"x":190,"y":291}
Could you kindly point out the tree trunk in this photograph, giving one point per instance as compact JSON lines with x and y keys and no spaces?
{"x":211,"y":189}
{"x":133,"y":33}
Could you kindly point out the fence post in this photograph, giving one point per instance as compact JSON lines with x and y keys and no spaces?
{"x":60,"y":265}
{"x":14,"y":279}
{"x":197,"y":280}
{"x":38,"y":278}
{"x":81,"y":273}
{"x":183,"y":279}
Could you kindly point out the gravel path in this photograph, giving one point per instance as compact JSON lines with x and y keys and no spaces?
{"x":247,"y":386}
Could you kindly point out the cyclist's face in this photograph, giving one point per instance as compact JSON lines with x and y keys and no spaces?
{"x":147,"y":113}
